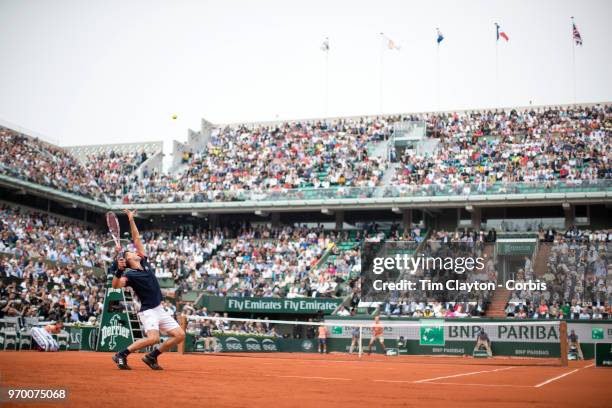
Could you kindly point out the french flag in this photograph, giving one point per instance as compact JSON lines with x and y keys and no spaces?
{"x":500,"y":33}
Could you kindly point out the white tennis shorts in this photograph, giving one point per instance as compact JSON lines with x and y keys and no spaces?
{"x":157,"y":319}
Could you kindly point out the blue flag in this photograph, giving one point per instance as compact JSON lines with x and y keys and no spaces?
{"x":440,"y":36}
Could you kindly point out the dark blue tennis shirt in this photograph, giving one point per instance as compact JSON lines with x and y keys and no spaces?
{"x":144,"y":284}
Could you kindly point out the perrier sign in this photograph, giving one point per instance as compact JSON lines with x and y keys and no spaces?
{"x":115,"y":333}
{"x":431,"y":332}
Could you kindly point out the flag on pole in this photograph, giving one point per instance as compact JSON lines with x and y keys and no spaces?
{"x":392,"y":46}
{"x":325,"y":45}
{"x":440,"y":37}
{"x":576,"y":34}
{"x":500,"y":33}
{"x":390,"y":43}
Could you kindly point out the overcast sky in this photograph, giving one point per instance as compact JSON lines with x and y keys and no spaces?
{"x":87,"y":72}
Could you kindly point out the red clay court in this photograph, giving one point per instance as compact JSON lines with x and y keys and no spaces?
{"x":301,"y":380}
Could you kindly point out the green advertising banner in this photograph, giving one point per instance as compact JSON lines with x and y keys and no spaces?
{"x":269,"y":305}
{"x":431,"y":333}
{"x":462,"y":348}
{"x":510,"y":338}
{"x":237,"y":343}
{"x":597,"y":333}
{"x":115,"y":333}
{"x":83,"y":338}
{"x":603,"y":354}
{"x":298,"y":345}
{"x":431,"y":336}
{"x":515,"y":248}
{"x":244,"y":343}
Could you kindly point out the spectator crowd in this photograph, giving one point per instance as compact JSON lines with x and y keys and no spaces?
{"x":477,"y":150}
{"x":262,"y":158}
{"x":48,"y":267}
{"x":578,"y":276}
{"x":45,"y":257}
{"x":474,"y":152}
{"x":45,"y":164}
{"x":49,"y":263}
{"x":113,"y":171}
{"x":31,"y":159}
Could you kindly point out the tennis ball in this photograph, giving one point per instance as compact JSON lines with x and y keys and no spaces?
{"x":174,"y":116}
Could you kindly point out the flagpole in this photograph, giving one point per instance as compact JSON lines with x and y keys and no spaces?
{"x":326,"y":80}
{"x":380,"y":85}
{"x":573,"y":61}
{"x":496,"y":74}
{"x":574,"y":69}
{"x":437,"y":75}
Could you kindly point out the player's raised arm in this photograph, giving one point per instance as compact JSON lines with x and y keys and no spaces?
{"x":119,"y":282}
{"x":134,"y":232}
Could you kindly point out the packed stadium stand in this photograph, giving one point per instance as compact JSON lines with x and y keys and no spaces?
{"x":475,"y":151}
{"x":296,"y":155}
{"x":578,"y":271}
{"x":39,"y":162}
{"x":483,"y":151}
{"x":117,"y":167}
{"x":280,"y":210}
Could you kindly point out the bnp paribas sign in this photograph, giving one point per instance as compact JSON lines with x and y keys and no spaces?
{"x":431,"y":333}
{"x":434,"y":333}
{"x":283,"y":305}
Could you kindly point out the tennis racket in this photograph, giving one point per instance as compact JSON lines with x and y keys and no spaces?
{"x":113,"y":227}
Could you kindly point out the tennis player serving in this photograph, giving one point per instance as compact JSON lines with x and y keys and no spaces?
{"x":133,"y":269}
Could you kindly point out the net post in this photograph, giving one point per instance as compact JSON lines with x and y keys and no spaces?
{"x":360,"y":341}
{"x":183,"y":324}
{"x":563,"y":345}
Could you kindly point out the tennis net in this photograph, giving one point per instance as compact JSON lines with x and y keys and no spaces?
{"x":513,"y":342}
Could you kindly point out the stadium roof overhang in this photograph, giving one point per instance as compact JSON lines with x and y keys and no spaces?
{"x":50,"y":193}
{"x":352,"y":204}
{"x":377,"y":203}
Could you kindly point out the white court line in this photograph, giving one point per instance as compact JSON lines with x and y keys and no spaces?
{"x":310,"y":378}
{"x":481,"y":385}
{"x":439,"y":378}
{"x":561,"y":376}
{"x":555,"y":378}
{"x":464,"y":374}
